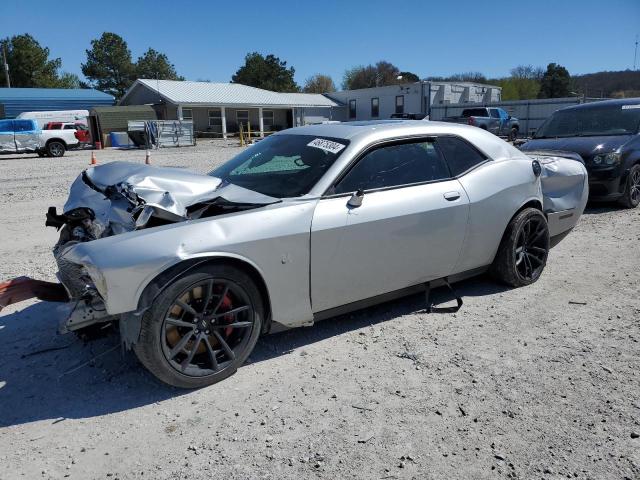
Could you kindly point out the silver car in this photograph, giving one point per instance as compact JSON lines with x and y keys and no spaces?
{"x":306,"y":224}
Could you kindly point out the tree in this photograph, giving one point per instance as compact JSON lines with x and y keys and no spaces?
{"x":381,"y":74}
{"x":475,"y":77}
{"x":29,"y":63}
{"x":319,"y":84}
{"x":528,"y":72}
{"x":268,"y":72}
{"x":69,"y":80}
{"x":409,"y":77}
{"x":109,"y":66}
{"x":154,"y":64}
{"x":555,"y":83}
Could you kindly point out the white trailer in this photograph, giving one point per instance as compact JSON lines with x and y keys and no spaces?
{"x":73,"y":116}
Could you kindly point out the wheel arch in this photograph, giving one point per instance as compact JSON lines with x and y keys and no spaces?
{"x":60,"y":140}
{"x":172,"y":273}
{"x":531,"y":203}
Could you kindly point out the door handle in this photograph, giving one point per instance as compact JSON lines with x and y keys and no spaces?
{"x":451,"y":196}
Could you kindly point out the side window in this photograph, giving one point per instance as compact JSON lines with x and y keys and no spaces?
{"x":395,"y":165}
{"x":23,"y":125}
{"x":495,"y":113}
{"x":69,"y":127}
{"x":6,"y":126}
{"x":459,"y":154}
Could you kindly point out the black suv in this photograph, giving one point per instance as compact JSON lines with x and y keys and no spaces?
{"x":606,"y":135}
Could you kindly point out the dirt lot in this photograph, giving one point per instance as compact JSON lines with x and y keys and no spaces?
{"x":538,"y":382}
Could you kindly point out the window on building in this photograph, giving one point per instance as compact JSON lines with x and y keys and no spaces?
{"x":400,"y":104}
{"x":242,"y":117}
{"x":375,"y":107}
{"x":352,"y":109}
{"x":215,"y":117}
{"x":459,"y":154}
{"x":267,"y":120}
{"x":395,"y":165}
{"x":187,"y":114}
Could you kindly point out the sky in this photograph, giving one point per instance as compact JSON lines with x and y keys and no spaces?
{"x":208,"y":40}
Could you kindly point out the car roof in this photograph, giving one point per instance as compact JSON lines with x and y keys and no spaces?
{"x":377,"y":128}
{"x":604,"y":104}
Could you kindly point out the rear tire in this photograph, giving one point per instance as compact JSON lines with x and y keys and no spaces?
{"x":188,"y":338}
{"x":523,"y":252}
{"x":631,"y":197}
{"x":55,"y":149}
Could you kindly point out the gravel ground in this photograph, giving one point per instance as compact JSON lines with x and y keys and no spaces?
{"x":537,"y":382}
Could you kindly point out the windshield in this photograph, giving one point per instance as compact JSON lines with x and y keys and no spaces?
{"x":583,"y":122}
{"x":282,"y":165}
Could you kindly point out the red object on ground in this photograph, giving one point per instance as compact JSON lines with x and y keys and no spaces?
{"x":23,"y":288}
{"x":98,"y":145}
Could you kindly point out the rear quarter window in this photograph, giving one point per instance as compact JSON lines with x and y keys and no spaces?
{"x":460,"y":155}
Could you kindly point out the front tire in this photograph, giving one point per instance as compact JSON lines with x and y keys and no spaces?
{"x":202,"y":327}
{"x":523,"y":252}
{"x":631,"y":197}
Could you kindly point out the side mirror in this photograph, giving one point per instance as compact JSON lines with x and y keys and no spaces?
{"x":356,"y":199}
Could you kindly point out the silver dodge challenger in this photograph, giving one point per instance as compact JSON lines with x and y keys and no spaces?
{"x":306,"y":224}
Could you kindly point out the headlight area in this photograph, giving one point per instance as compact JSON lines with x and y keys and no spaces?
{"x":607,"y":159}
{"x":87,"y":289}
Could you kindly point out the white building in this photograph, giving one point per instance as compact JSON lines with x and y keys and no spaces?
{"x":220,"y":108}
{"x":418,"y":97}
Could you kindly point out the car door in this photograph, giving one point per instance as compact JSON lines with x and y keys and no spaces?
{"x":27,"y":136}
{"x":7,"y":137}
{"x":408,"y":229}
{"x":494,"y":121}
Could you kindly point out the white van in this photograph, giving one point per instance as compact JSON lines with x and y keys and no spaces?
{"x":73,"y":116}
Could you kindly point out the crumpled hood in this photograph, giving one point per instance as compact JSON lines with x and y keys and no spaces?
{"x":584,"y":146}
{"x":126,"y":195}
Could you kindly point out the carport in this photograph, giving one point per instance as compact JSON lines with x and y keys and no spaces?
{"x":219,"y":109}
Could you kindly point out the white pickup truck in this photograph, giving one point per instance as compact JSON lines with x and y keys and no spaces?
{"x":24,"y":136}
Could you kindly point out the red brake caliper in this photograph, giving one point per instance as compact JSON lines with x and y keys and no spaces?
{"x":227,"y":305}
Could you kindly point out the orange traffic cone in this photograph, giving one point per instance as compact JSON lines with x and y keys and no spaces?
{"x":94,"y":160}
{"x":147,"y":158}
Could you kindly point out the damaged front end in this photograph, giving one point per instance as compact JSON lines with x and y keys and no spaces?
{"x":114,"y":199}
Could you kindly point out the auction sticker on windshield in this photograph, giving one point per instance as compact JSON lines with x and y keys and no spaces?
{"x":629,"y":107}
{"x":326,"y":145}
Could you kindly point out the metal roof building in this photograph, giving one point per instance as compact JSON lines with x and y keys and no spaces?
{"x":221,"y":107}
{"x":18,"y":100}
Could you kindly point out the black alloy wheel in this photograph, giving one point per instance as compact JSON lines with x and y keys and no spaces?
{"x":207,"y":326}
{"x":522,"y":254}
{"x":202,"y":328}
{"x":631,"y":197}
{"x":532,"y":248}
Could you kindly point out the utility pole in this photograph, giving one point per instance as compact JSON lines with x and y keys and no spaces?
{"x":6,"y":66}
{"x":635,"y":53}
